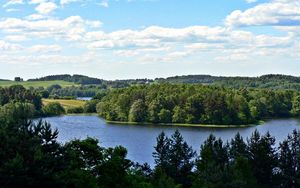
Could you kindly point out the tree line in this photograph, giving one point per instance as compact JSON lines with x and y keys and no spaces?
{"x":172,"y":103}
{"x":31,"y":156}
{"x":197,"y":104}
{"x":270,"y":81}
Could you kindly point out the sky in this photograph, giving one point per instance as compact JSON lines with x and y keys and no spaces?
{"x":121,"y":39}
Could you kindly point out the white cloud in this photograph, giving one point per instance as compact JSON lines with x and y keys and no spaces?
{"x":64,"y":2}
{"x":154,"y":37}
{"x":251,"y":1}
{"x":222,"y":43}
{"x":71,"y":28}
{"x":274,"y":13}
{"x":35,"y":17}
{"x":46,"y":8}
{"x":15,"y":38}
{"x":45,"y":48}
{"x":5,"y":46}
{"x":12,"y":10}
{"x":154,"y":43}
{"x":37,"y":1}
{"x":192,"y":37}
{"x":12,"y":2}
{"x":104,"y":3}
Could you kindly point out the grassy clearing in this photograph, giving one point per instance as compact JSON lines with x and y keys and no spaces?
{"x":66,"y":103}
{"x":37,"y":84}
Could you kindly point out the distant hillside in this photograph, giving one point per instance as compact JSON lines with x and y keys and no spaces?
{"x":85,"y":80}
{"x":272,"y":81}
{"x":190,"y":79}
{"x":78,"y":79}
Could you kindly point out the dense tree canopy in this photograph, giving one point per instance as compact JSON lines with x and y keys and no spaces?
{"x":18,"y":93}
{"x":182,"y":103}
{"x":271,"y":81}
{"x":31,"y":156}
{"x":53,"y":109}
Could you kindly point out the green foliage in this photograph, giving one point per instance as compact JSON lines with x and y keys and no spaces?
{"x":75,"y":91}
{"x":53,"y":109}
{"x":14,"y":113}
{"x":271,"y":81}
{"x":18,"y":93}
{"x":262,"y":155}
{"x":197,"y":104}
{"x":75,"y":110}
{"x":174,"y":157}
{"x":30,"y":155}
{"x":138,"y":111}
{"x":90,"y":106}
{"x":80,"y":79}
{"x":213,"y":163}
{"x":289,"y":160}
{"x":296,"y":106}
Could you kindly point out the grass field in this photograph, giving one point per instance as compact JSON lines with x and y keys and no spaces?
{"x":36,"y":84}
{"x":66,"y":103}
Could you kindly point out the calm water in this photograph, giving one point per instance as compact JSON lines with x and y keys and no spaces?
{"x":84,"y":98}
{"x":139,"y":140}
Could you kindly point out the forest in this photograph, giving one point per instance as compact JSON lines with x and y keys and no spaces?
{"x":31,"y":156}
{"x":197,"y":104}
{"x":167,"y":103}
{"x":85,"y":80}
{"x":270,"y":81}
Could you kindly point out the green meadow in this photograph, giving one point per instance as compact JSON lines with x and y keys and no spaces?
{"x":37,"y":84}
{"x":65,"y":103}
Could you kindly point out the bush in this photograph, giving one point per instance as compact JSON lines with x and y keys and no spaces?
{"x":90,"y":106}
{"x":13,"y":112}
{"x":75,"y":110}
{"x":53,"y":109}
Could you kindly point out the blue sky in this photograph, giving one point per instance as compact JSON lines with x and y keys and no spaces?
{"x":119,"y":39}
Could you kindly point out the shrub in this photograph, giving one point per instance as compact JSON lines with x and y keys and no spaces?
{"x":75,"y":110}
{"x":53,"y":109}
{"x":90,"y":106}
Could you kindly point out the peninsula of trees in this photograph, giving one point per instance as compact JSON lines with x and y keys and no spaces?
{"x":197,"y":104}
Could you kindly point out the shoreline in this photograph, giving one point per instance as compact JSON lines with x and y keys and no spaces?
{"x":183,"y":124}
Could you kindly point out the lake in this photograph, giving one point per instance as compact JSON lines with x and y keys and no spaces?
{"x":140,"y":139}
{"x":84,"y":98}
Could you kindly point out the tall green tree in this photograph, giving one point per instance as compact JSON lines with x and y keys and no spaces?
{"x":138,"y":111}
{"x":263,"y":158}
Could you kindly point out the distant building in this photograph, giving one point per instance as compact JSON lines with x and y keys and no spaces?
{"x":18,"y":79}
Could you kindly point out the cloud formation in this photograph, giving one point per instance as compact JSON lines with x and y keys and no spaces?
{"x":12,"y":2}
{"x":70,"y":28}
{"x":44,"y":37}
{"x":274,"y":13}
{"x":46,"y":8}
